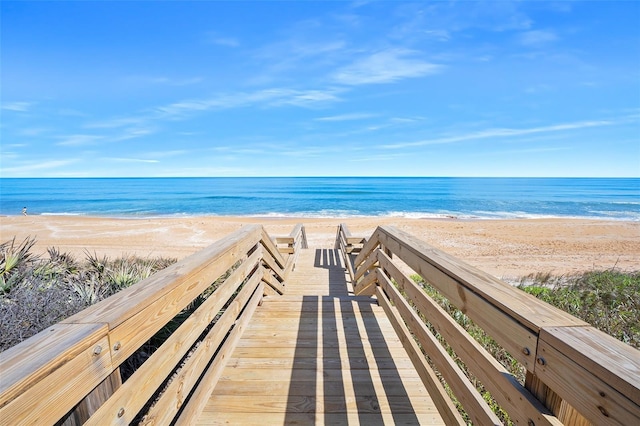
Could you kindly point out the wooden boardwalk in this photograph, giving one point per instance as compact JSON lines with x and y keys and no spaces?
{"x":319,"y":355}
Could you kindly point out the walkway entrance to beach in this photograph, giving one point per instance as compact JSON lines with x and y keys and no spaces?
{"x":319,"y":354}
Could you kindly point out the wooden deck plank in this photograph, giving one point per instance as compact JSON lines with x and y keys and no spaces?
{"x":319,"y":355}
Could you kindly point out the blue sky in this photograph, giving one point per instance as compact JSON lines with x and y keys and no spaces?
{"x":328,"y":88}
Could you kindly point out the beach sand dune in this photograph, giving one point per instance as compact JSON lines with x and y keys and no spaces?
{"x":505,"y":248}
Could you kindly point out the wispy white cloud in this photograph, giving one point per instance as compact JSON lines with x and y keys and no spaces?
{"x":538,"y":88}
{"x":130,"y":160}
{"x":17,"y":106}
{"x":140,"y":80}
{"x":26,"y":168}
{"x":226,"y":41}
{"x":346,"y":117}
{"x":167,"y":154}
{"x":439,"y":35}
{"x":235,"y":150}
{"x":304,"y":98}
{"x":79,"y":140}
{"x":537,"y":38}
{"x":406,"y":120}
{"x":132,"y":134}
{"x":34,"y":131}
{"x":284,"y":60}
{"x":378,"y":157}
{"x":501,"y":133}
{"x":266,"y":97}
{"x":386,"y":66}
{"x":116,"y":123}
{"x":70,"y":112}
{"x":212,"y":37}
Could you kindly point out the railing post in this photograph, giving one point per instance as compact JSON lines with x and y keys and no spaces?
{"x":94,"y":400}
{"x":560,"y":408}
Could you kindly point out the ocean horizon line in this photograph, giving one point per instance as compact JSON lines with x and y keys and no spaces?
{"x":321,"y":197}
{"x":320,"y":177}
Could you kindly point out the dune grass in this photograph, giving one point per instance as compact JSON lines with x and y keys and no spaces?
{"x":609,"y":300}
{"x":39,"y":291}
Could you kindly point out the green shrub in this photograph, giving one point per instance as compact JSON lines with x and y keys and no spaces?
{"x":608,"y":300}
{"x":36,"y":292}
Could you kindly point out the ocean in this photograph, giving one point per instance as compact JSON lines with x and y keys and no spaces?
{"x":317,"y":197}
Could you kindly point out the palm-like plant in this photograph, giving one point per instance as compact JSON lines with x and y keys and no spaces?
{"x":15,"y":261}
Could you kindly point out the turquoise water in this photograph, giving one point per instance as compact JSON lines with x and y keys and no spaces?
{"x":326,"y":197}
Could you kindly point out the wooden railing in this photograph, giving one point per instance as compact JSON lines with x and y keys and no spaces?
{"x":349,"y":246}
{"x":70,"y":372}
{"x":575,"y":374}
{"x":296,"y":241}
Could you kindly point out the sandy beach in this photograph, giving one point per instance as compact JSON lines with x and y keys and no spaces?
{"x":505,"y":248}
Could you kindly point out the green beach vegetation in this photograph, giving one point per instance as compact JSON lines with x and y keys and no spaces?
{"x":39,"y":291}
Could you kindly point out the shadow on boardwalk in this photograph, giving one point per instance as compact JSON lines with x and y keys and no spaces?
{"x":352,"y":382}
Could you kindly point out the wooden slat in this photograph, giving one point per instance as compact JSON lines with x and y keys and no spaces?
{"x":371,"y":244}
{"x":367,"y":265}
{"x":297,"y":233}
{"x":607,"y":358}
{"x":134,"y":393}
{"x":284,"y":240}
{"x":307,"y":418}
{"x":300,"y":242}
{"x":276,"y":383}
{"x":303,"y":238}
{"x":594,"y":373}
{"x":564,"y":412}
{"x":272,"y":282}
{"x":366,"y":404}
{"x":244,"y":375}
{"x":271,"y":248}
{"x":437,"y":392}
{"x":521,"y":405}
{"x":271,"y":263}
{"x":465,"y":392}
{"x":366,"y":286}
{"x":199,"y":399}
{"x":45,"y":376}
{"x":98,"y":396}
{"x":355,"y":240}
{"x":176,"y":393}
{"x":347,"y":260}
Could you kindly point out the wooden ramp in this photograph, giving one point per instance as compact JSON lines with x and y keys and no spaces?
{"x":319,"y":355}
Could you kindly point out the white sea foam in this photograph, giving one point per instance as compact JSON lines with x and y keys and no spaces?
{"x":61,"y":214}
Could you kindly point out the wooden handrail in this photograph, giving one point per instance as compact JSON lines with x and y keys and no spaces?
{"x":70,"y":371}
{"x":575,"y":373}
{"x":348,"y":246}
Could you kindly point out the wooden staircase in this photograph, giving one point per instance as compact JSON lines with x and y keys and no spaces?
{"x":319,"y":355}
